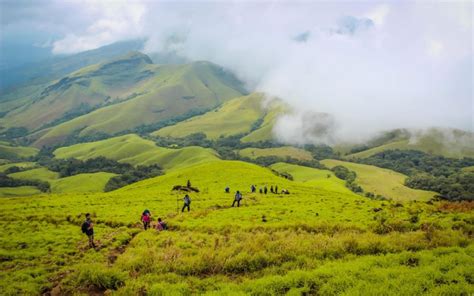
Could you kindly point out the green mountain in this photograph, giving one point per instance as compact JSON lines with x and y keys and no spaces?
{"x":54,"y":68}
{"x":123,"y":94}
{"x":247,"y":115}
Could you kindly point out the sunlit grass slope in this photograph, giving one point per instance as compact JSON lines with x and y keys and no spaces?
{"x":42,"y":174}
{"x":232,"y":118}
{"x":11,"y":152}
{"x":92,"y":182}
{"x":164,"y":93}
{"x":311,"y":176}
{"x":445,"y":142}
{"x":385,"y":182}
{"x":25,"y":164}
{"x":18,"y":191}
{"x":282,"y":152}
{"x":137,"y":151}
{"x":313,"y":241}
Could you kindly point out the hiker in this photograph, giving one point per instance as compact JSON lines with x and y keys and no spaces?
{"x":261,"y":190}
{"x":88,"y":229}
{"x":276,"y":189}
{"x":285,"y":191}
{"x":161,"y":225}
{"x":253,"y":188}
{"x":188,"y":184}
{"x":265,"y":190}
{"x":146,"y":218}
{"x":227,"y":189}
{"x":237,"y":198}
{"x":271,"y":189}
{"x":187,"y":203}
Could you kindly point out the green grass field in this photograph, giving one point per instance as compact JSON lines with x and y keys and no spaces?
{"x":385,"y":182}
{"x":138,"y":151}
{"x":315,"y":241}
{"x":282,"y":152}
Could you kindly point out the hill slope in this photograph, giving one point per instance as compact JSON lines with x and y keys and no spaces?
{"x":168,"y":93}
{"x":313,"y":241}
{"x":282,"y":152}
{"x":437,"y":141}
{"x":380,"y":181}
{"x":137,"y":151}
{"x":234,"y":117}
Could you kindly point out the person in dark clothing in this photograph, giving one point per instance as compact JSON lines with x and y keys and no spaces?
{"x":261,"y":190}
{"x":237,"y":199}
{"x":187,"y":203}
{"x":271,"y":189}
{"x":146,"y":219}
{"x":253,"y":188}
{"x":276,"y":189}
{"x":265,"y":190}
{"x":227,"y":189}
{"x":188,"y":184}
{"x":88,"y":229}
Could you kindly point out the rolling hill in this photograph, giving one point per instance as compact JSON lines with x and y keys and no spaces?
{"x":137,"y":151}
{"x":119,"y":95}
{"x":311,"y":176}
{"x":380,"y":181}
{"x":248,"y":115}
{"x":9,"y":151}
{"x":281,"y":152}
{"x":438,"y":141}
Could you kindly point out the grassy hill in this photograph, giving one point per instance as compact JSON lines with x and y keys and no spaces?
{"x":26,"y":164}
{"x":122,"y":94}
{"x":42,"y":174}
{"x":381,"y":181}
{"x":165,"y":93}
{"x":8,"y":151}
{"x":311,"y":176}
{"x":236,"y":116}
{"x":248,"y":115}
{"x":138,"y":151}
{"x":313,"y":241}
{"x":282,"y":152}
{"x":437,"y":141}
{"x":93,"y":182}
{"x":19,"y":191}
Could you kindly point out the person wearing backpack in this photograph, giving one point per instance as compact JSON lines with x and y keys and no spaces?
{"x":187,"y":203}
{"x":237,"y":199}
{"x":146,"y":218}
{"x":88,"y":229}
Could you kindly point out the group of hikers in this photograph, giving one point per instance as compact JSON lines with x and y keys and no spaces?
{"x":146,"y":218}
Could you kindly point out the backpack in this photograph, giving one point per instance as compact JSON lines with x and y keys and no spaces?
{"x":84,"y":227}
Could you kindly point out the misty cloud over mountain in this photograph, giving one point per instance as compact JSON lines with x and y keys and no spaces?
{"x":370,"y":66}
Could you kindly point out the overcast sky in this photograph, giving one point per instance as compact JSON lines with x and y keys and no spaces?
{"x":372,"y":65}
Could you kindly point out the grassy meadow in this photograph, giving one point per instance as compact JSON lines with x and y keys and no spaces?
{"x":316,"y":240}
{"x":381,"y":181}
